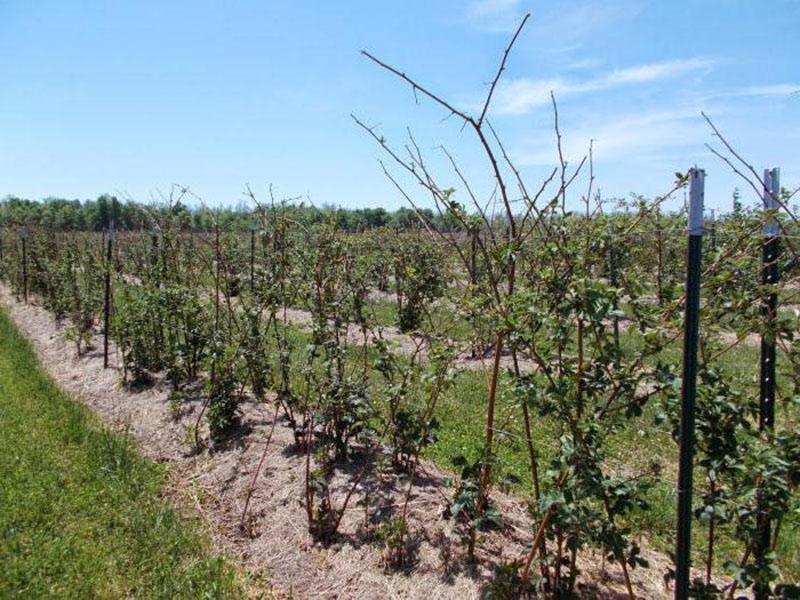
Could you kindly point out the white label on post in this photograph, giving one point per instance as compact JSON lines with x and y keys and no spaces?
{"x":697,"y":178}
{"x":772,"y":188}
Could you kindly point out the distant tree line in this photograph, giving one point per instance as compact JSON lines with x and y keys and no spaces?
{"x":60,"y":214}
{"x":95,"y":215}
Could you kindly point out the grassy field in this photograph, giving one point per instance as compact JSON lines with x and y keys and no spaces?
{"x":80,"y":512}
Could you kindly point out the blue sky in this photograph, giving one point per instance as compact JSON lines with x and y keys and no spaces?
{"x":130,"y":97}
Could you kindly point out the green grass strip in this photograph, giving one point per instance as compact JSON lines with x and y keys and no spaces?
{"x":80,"y":512}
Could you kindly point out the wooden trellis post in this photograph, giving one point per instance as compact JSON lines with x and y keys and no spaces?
{"x":612,"y":280}
{"x":660,"y":252}
{"x":107,"y":293}
{"x":253,"y":259}
{"x":23,"y":234}
{"x":713,"y":230}
{"x":473,"y":278}
{"x":154,"y":248}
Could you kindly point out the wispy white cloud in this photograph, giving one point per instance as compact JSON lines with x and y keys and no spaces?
{"x":653,"y":71}
{"x":557,"y":27}
{"x":560,"y":29}
{"x":633,"y":134}
{"x":582,"y":64}
{"x":495,"y":15}
{"x":492,"y":8}
{"x":518,"y":96}
{"x":778,"y":89}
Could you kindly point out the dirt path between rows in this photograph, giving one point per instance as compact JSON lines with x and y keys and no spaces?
{"x":276,"y":544}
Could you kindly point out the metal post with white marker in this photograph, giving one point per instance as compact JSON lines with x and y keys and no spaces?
{"x":770,"y":276}
{"x":689,"y":383}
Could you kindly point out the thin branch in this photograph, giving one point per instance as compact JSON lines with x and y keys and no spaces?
{"x":415,"y":86}
{"x":501,"y":69}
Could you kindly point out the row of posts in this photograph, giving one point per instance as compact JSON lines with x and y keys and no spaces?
{"x":770,"y":276}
